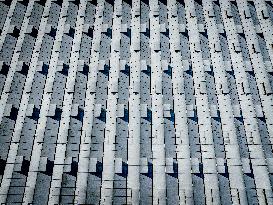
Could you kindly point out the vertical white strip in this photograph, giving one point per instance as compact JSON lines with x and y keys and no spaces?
{"x":110,"y":127}
{"x":133,"y":183}
{"x":158,"y":143}
{"x":180,"y":111}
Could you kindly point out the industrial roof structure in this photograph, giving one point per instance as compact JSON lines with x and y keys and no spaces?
{"x":136,"y":102}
